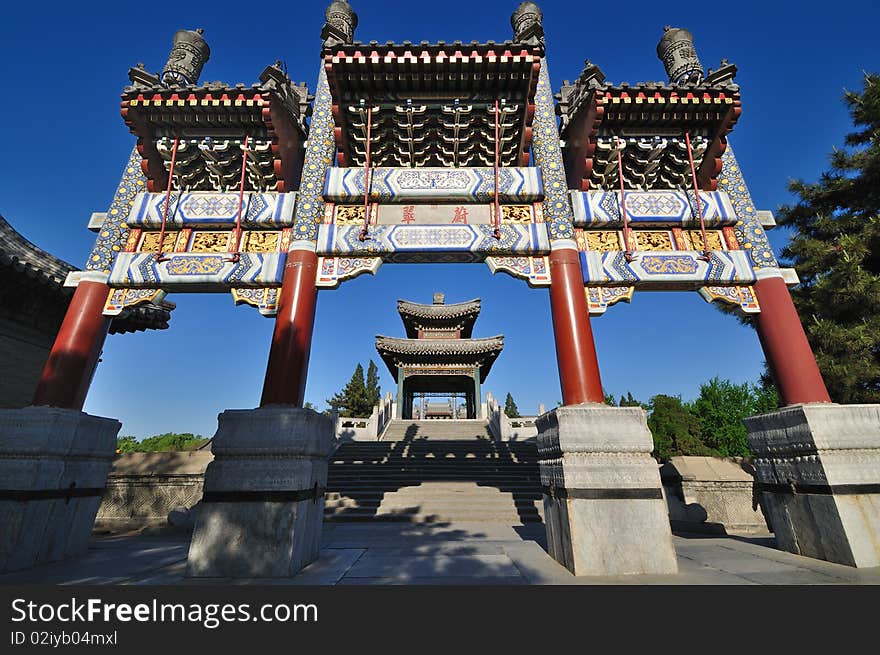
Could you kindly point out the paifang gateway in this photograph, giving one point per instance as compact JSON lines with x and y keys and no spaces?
{"x":437,"y":153}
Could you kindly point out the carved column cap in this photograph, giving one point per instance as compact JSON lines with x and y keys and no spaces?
{"x":526,"y":22}
{"x":188,"y":55}
{"x":676,"y":51}
{"x":340,"y":24}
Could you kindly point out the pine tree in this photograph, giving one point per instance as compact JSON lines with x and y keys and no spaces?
{"x":510,"y":407}
{"x":374,"y":391}
{"x":675,"y":428}
{"x":352,"y":400}
{"x":836,"y":252}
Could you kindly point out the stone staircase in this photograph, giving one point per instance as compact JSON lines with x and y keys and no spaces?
{"x":443,"y":429}
{"x":435,"y":472}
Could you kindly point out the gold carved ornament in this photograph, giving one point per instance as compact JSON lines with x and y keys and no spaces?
{"x":603,"y":241}
{"x":713,"y":237}
{"x":150,"y":242}
{"x":653,"y":240}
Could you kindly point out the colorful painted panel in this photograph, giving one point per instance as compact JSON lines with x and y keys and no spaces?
{"x":534,"y":270}
{"x":403,"y":185}
{"x":599,"y":299}
{"x":264,"y":299}
{"x":197,"y":271}
{"x":548,"y":155}
{"x":433,"y":242}
{"x":749,"y":232}
{"x":118,"y":300}
{"x":212,"y":209}
{"x":113,"y":234}
{"x":684,"y":269}
{"x":649,"y":208}
{"x":333,"y":270}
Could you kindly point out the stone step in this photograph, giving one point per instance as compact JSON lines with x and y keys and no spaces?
{"x":512,"y":518}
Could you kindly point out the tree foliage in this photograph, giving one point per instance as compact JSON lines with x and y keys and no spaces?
{"x":836,"y":251}
{"x":675,"y":428}
{"x":510,"y":407}
{"x":374,"y":391}
{"x":358,"y":397}
{"x":721,"y":408}
{"x":160,"y":443}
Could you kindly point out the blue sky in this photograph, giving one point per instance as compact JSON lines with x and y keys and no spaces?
{"x":65,"y":145}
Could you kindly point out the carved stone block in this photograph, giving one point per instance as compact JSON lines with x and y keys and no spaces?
{"x":603,"y":500}
{"x":263,"y":504}
{"x":818,"y":470}
{"x":53,"y":468}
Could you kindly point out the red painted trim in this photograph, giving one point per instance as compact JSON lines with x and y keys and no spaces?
{"x":68,"y":372}
{"x":575,"y":349}
{"x":785,"y":345}
{"x":286,"y":371}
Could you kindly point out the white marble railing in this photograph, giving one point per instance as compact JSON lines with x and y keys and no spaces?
{"x":503,"y":427}
{"x":368,"y":428}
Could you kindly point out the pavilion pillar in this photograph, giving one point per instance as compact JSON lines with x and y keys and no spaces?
{"x":287,"y":369}
{"x":477,"y":409}
{"x":73,"y":359}
{"x":575,"y":350}
{"x":785,"y":345}
{"x":400,"y":379}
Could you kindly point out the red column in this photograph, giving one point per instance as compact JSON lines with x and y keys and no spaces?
{"x":68,"y":371}
{"x":288,"y":365}
{"x":575,"y":350}
{"x":785,"y":345}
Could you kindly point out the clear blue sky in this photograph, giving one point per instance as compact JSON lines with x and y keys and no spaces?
{"x":65,"y":144}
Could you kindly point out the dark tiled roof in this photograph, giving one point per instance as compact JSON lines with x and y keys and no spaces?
{"x":440,"y":346}
{"x":33,"y":262}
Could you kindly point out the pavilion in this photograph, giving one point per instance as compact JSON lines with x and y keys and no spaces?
{"x":439,"y":357}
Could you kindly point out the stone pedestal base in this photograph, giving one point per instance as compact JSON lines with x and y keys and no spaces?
{"x":603,"y":500}
{"x":263,"y":504}
{"x":53,"y":468}
{"x":818,"y":471}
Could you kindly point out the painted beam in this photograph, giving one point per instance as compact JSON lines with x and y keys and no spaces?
{"x":402,"y":185}
{"x":666,"y":269}
{"x":197,"y":271}
{"x":212,"y":209}
{"x":432,"y":243}
{"x":651,"y":208}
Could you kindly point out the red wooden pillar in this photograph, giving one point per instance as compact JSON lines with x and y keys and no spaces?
{"x":785,"y":345}
{"x":575,"y":350}
{"x":288,"y":365}
{"x":68,"y":372}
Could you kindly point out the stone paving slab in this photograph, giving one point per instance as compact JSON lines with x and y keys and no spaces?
{"x":460,"y":553}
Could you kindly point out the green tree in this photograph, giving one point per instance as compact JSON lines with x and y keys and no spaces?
{"x":628,"y":401}
{"x":353,"y":400}
{"x":675,"y":428}
{"x":721,"y":408}
{"x":510,"y":407}
{"x":836,"y":251}
{"x":126,"y":444}
{"x":373,"y":390}
{"x":169,"y":441}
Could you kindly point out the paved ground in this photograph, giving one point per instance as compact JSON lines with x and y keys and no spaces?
{"x":458,"y":553}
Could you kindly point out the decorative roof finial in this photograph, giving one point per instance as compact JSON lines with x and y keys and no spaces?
{"x":527,"y":26}
{"x":676,"y":51}
{"x":340,"y":22}
{"x":439,"y":298}
{"x":188,"y":54}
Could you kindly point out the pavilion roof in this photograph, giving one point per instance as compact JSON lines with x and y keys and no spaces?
{"x":465,"y":352}
{"x":29,"y":264}
{"x":460,"y":316}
